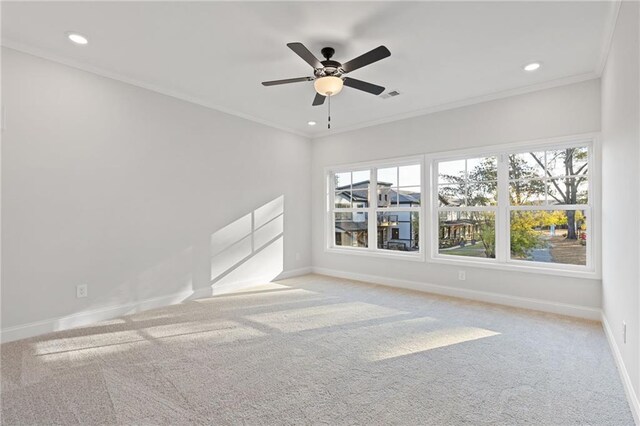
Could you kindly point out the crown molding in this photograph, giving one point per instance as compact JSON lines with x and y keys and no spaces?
{"x":609,"y":31}
{"x":40,"y":53}
{"x":464,"y":102}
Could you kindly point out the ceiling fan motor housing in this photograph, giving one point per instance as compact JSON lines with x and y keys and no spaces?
{"x":329,"y":67}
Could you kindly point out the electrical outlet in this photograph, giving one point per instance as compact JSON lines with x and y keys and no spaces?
{"x":462,"y":275}
{"x":82,"y":291}
{"x":297,"y":256}
{"x":624,"y":332}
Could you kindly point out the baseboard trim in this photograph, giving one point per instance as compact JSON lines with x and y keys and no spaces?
{"x":585,"y":312}
{"x":632,"y":397}
{"x":91,"y":316}
{"x":88,"y":317}
{"x":294,"y":273}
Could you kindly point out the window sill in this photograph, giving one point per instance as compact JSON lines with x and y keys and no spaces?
{"x":414,"y":257}
{"x":517,"y":267}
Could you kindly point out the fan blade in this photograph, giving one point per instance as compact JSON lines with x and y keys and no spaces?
{"x":318,"y":100}
{"x":370,"y":57}
{"x":305,"y":54}
{"x":363,"y":85}
{"x":288,"y":80}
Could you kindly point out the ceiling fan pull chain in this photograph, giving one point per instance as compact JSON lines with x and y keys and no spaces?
{"x":329,"y":115}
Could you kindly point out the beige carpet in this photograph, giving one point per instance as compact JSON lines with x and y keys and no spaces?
{"x":318,"y":350}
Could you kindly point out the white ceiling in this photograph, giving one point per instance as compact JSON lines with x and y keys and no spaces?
{"x":216,"y":54}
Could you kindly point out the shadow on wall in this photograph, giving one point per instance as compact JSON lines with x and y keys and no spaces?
{"x":248,"y":251}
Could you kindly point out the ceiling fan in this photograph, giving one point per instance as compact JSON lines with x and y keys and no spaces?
{"x":328,"y":75}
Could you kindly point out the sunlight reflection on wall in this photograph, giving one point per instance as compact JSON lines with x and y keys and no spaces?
{"x":249,"y":250}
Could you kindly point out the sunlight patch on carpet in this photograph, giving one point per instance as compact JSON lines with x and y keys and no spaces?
{"x":412,"y":344}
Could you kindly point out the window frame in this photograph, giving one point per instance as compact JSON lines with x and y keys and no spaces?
{"x":503,"y":209}
{"x":428,"y":234}
{"x":372,"y":210}
{"x":436,"y":209}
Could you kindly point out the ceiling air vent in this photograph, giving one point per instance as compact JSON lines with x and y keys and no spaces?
{"x":390,"y":94}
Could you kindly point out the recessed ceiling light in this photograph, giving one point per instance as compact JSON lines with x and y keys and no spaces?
{"x":532,"y":66}
{"x":311,"y":123}
{"x":77,"y":38}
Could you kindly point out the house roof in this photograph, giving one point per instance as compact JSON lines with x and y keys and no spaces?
{"x":359,"y":192}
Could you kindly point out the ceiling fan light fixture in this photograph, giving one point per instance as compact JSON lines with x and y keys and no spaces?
{"x":328,"y":86}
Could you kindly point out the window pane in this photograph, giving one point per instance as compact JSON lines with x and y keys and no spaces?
{"x":579,"y":159}
{"x":568,"y":191}
{"x":526,"y":165}
{"x":398,"y":231}
{"x":343,"y":199}
{"x":409,"y":175}
{"x":451,"y":195}
{"x":482,"y":169}
{"x":351,"y":229}
{"x":360,"y":189}
{"x":549,"y":236}
{"x":469,"y":234}
{"x":361,"y":177}
{"x":527,"y":193}
{"x":556,"y":162}
{"x":388,"y":176}
{"x":409,"y":196}
{"x":343,"y":180}
{"x":451,"y":171}
{"x":567,"y":162}
{"x":482,"y":193}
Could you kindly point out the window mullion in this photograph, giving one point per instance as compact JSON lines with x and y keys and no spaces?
{"x":502,"y":213}
{"x":330,"y":216}
{"x":373,"y":203}
{"x":434,"y":218}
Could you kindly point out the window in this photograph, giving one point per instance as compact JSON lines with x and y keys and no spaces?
{"x":549,"y":206}
{"x":528,"y":206}
{"x":351,"y":199}
{"x":467,"y":199}
{"x":508,"y":207}
{"x":390,"y":223}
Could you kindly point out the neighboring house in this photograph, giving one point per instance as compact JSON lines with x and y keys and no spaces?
{"x":454,"y":229}
{"x":396,"y":229}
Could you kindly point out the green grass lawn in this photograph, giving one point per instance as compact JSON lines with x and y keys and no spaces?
{"x":468,"y":250}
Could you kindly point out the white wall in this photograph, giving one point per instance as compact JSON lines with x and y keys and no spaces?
{"x":549,"y":113}
{"x":621,"y":190}
{"x":132,"y":192}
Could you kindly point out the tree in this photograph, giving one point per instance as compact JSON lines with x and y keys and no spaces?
{"x":573,"y":164}
{"x":487,"y":232}
{"x":523,"y":188}
{"x":482,"y":186}
{"x":523,"y":236}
